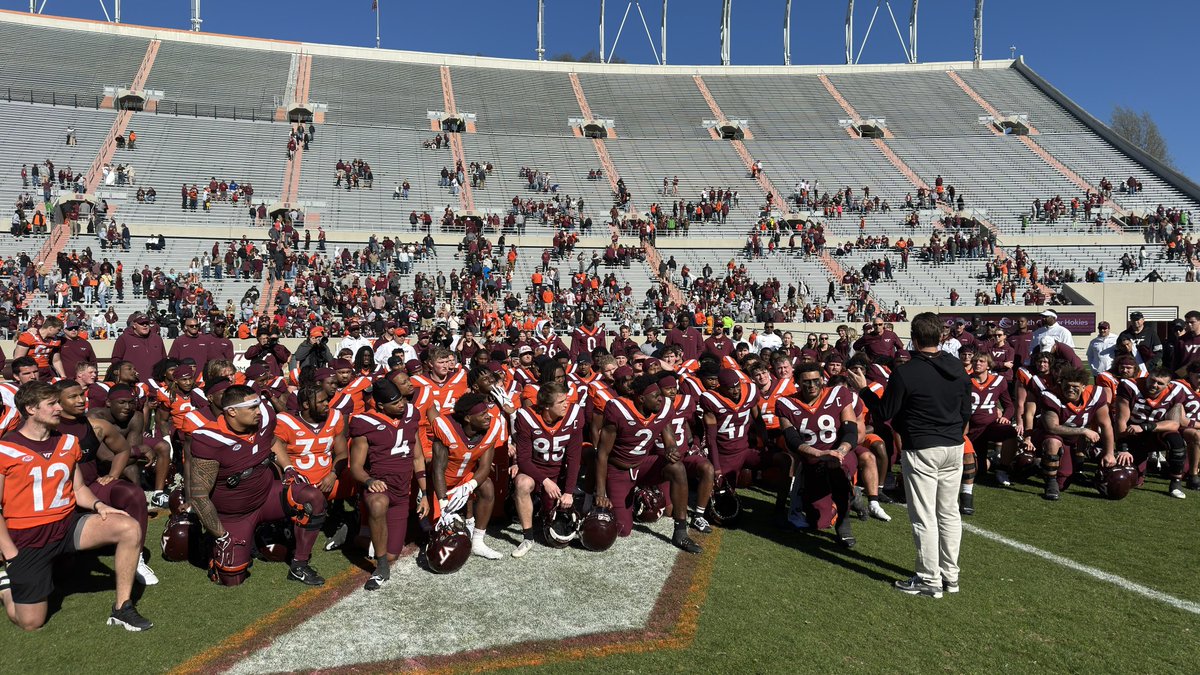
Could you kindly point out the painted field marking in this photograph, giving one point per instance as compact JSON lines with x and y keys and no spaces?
{"x":1118,"y":581}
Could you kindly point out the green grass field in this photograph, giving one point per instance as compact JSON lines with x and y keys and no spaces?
{"x":786,"y":601}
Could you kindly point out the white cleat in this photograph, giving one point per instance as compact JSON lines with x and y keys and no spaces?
{"x":145,"y":575}
{"x":522,"y":548}
{"x":877,"y":512}
{"x":481,"y":549}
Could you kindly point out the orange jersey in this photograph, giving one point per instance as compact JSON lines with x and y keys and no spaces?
{"x":351,"y":399}
{"x":444,"y":394}
{"x":310,"y":450}
{"x":766,"y":404}
{"x":37,"y":490}
{"x":464,"y":457}
{"x":179,"y":406}
{"x":39,"y":350}
{"x":10,"y":419}
{"x":600,"y":392}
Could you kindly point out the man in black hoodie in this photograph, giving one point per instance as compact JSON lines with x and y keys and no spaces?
{"x":928,"y":401}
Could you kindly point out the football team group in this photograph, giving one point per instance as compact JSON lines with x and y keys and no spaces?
{"x":423,"y":453}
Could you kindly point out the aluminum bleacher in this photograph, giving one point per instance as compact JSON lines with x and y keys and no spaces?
{"x":779,"y":106}
{"x":920,"y":104}
{"x":374,"y":93}
{"x":648,"y":106}
{"x":516,"y":101}
{"x":35,"y":133}
{"x":225,"y":77}
{"x":72,"y":62}
{"x":567,"y":160}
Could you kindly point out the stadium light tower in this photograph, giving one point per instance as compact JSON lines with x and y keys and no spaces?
{"x":978,"y":32}
{"x":601,"y":31}
{"x":541,"y":49}
{"x":196,"y":21}
{"x":726,"y":7}
{"x":787,"y":33}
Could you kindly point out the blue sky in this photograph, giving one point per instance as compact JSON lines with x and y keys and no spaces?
{"x":1098,"y":52}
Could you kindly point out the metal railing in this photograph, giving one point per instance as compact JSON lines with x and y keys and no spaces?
{"x":22,"y":95}
{"x":175,"y":108}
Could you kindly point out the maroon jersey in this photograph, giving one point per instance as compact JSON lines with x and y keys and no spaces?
{"x":1187,"y":351}
{"x":684,"y":407}
{"x":635,"y":434}
{"x":989,"y":401}
{"x":585,"y":340}
{"x":244,"y":477}
{"x":390,"y":442}
{"x":1080,"y":415}
{"x":1190,"y":400}
{"x":818,"y":422}
{"x":549,"y":446}
{"x":1144,"y":409}
{"x":733,"y":417}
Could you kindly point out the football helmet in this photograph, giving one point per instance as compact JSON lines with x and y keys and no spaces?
{"x":177,"y":538}
{"x":560,"y":528}
{"x":1114,"y":482}
{"x":648,"y":504}
{"x":450,"y":545}
{"x":1024,"y":463}
{"x":177,"y":502}
{"x":598,"y":530}
{"x":725,"y":507}
{"x":274,"y":541}
{"x":304,"y":504}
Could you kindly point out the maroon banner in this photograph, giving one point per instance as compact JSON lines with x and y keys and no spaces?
{"x":1079,"y":323}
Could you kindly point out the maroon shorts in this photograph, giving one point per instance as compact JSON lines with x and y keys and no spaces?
{"x":539,"y":474}
{"x":242,"y":527}
{"x":732,"y":464}
{"x":991,"y":433}
{"x":121,"y":494}
{"x":849,"y":463}
{"x":621,"y":482}
{"x":694,"y":465}
{"x":399,"y":492}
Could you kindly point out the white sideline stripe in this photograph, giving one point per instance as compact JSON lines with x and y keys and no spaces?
{"x":1120,"y":582}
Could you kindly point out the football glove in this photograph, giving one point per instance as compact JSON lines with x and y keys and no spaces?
{"x":291,"y":475}
{"x":457,"y":498}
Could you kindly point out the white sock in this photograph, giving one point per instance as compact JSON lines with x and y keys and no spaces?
{"x":470,"y":523}
{"x":967,"y":488}
{"x":478,"y":535}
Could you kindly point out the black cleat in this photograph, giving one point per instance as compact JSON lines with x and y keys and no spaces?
{"x":685,"y":543}
{"x":845,"y":535}
{"x":1051,"y":492}
{"x":305,"y":574}
{"x":338,"y":538}
{"x":375,"y":582}
{"x":1193,"y":482}
{"x":966,"y":504}
{"x":128,"y":618}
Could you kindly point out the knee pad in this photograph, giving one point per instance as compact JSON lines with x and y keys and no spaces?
{"x":969,"y":467}
{"x":224,"y":578}
{"x":304,"y":504}
{"x":1176,"y":451}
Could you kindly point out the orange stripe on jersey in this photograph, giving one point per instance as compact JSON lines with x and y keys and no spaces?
{"x":310,"y":450}
{"x":463,"y":456}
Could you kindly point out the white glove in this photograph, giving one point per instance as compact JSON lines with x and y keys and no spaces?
{"x":447,"y":518}
{"x":457,"y":498}
{"x":500,"y":395}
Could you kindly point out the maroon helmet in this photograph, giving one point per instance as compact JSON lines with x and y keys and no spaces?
{"x":449,"y":547}
{"x":274,"y":541}
{"x":177,"y":538}
{"x":1114,"y":482}
{"x":725,"y":509}
{"x":648,"y":504}
{"x":560,"y":528}
{"x":599,"y":530}
{"x":1024,"y":462}
{"x":304,"y":504}
{"x":177,"y":502}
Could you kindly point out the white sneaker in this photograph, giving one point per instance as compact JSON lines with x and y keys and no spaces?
{"x":522,"y":548}
{"x":145,"y":575}
{"x":481,"y":549}
{"x":877,"y":512}
{"x":1002,"y":478}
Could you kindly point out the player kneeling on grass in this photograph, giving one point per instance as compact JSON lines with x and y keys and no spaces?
{"x":549,"y":439}
{"x":684,"y":409}
{"x":385,"y":455}
{"x":623,"y":462}
{"x":821,"y":430}
{"x":1149,"y":417}
{"x":233,"y":489}
{"x":464,"y":441}
{"x":1075,"y":418}
{"x":313,"y":442}
{"x":40,"y":488}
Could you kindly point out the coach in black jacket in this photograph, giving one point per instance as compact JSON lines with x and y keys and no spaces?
{"x":928,"y":401}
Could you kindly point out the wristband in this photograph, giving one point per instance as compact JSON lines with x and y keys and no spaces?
{"x":419,"y":475}
{"x":1149,"y":426}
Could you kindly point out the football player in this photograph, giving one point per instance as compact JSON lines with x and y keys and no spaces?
{"x":388,"y":440}
{"x":587,"y":337}
{"x":549,"y":439}
{"x":45,"y":504}
{"x":314,"y":443}
{"x":1070,"y":422}
{"x":121,"y":410}
{"x":24,"y":369}
{"x":465,"y":438}
{"x":623,"y":460}
{"x":353,"y":388}
{"x":92,"y":435}
{"x":684,"y":409}
{"x":443,"y":382}
{"x":730,"y":412}
{"x":43,"y":345}
{"x":821,"y":430}
{"x":1149,"y":417}
{"x":991,"y":429}
{"x":1191,"y":413}
{"x":234,"y":489}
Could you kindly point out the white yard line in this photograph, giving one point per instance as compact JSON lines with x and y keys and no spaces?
{"x":1118,"y":581}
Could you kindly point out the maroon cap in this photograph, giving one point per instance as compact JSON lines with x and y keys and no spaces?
{"x":667,"y":381}
{"x":185,"y":372}
{"x":255,"y":371}
{"x":341,"y":364}
{"x":728,"y":377}
{"x":412,"y":366}
{"x":495,"y":366}
{"x":322,"y":373}
{"x":623,"y":371}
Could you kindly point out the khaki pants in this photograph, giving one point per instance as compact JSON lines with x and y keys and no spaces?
{"x":931,"y":486}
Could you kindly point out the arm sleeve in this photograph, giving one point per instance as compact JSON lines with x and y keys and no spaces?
{"x":893,"y":398}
